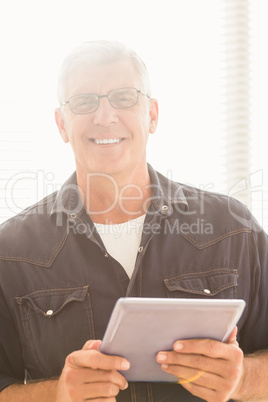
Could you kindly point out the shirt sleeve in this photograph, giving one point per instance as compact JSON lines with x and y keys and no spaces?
{"x":254,"y":333}
{"x":11,"y":362}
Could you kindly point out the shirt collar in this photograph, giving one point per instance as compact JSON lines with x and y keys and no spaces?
{"x":165,"y":192}
{"x":67,"y":202}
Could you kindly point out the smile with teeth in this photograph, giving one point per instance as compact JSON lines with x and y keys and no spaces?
{"x":107,"y":141}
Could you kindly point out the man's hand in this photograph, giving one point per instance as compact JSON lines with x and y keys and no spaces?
{"x":208,"y":369}
{"x":89,"y":374}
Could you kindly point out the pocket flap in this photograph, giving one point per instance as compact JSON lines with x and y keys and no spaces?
{"x":52,"y":301}
{"x":207,"y":283}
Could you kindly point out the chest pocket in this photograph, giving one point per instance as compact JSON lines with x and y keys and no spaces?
{"x":218,"y":283}
{"x":55,"y":322}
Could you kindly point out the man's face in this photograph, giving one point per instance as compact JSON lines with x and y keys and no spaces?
{"x":129,"y":127}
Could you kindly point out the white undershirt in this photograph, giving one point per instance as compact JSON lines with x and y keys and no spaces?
{"x":122,"y":241}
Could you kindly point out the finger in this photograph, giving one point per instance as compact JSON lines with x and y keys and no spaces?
{"x":232,"y":337}
{"x":84,"y":376}
{"x":205,"y":381}
{"x":185,"y":379}
{"x":209,"y":394}
{"x":207,"y":347}
{"x":100,"y":390}
{"x":112,"y":399}
{"x":96,"y":360}
{"x":186,"y":374}
{"x":92,"y":344}
{"x":190,"y":361}
{"x":219,"y":366}
{"x":201,"y":392}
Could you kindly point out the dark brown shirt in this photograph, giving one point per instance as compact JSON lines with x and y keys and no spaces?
{"x":58,"y":284}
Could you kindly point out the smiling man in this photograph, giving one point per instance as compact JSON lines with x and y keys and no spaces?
{"x":107,"y":115}
{"x":119,"y":228}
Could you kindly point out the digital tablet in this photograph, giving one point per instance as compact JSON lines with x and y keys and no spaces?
{"x":141,"y":327}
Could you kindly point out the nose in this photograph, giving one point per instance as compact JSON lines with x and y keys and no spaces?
{"x":105,"y":115}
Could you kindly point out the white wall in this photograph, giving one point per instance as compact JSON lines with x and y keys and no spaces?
{"x":181,"y":43}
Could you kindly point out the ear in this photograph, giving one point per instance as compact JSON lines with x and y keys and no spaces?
{"x":61,"y":123}
{"x":153,"y":115}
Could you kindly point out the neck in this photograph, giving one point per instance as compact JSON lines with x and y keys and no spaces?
{"x":115,"y":198}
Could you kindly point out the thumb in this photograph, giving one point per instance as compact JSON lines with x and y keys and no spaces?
{"x":93,"y":344}
{"x":232,"y":337}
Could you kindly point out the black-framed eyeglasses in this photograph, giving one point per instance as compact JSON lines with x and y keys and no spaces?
{"x":122,"y":98}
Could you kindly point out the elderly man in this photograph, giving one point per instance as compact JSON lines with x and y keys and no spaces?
{"x":118,"y":228}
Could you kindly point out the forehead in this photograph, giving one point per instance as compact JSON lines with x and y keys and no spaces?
{"x":88,"y":77}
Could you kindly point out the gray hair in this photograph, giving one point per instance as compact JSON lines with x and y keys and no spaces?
{"x":100,"y":52}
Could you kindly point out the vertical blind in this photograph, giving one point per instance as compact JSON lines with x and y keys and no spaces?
{"x":246,"y":86}
{"x":236,"y":41}
{"x":259,"y":115}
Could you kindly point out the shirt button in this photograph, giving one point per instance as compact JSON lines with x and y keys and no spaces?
{"x":49,"y":312}
{"x":207,"y":291}
{"x":164,"y":207}
{"x":106,"y":255}
{"x":140,"y":249}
